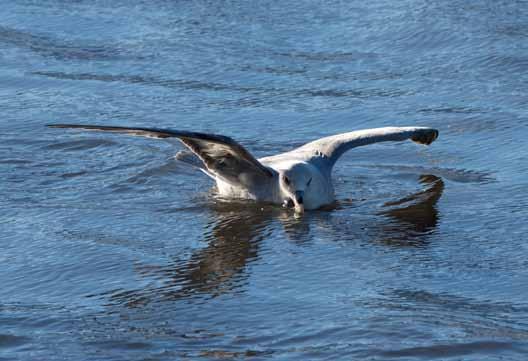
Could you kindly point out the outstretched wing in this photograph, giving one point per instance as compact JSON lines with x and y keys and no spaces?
{"x":326,"y":151}
{"x":222,"y":156}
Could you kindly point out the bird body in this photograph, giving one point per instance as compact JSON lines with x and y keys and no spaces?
{"x":300,"y":179}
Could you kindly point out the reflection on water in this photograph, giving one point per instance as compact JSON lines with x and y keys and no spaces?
{"x":235,"y":231}
{"x":232,"y":237}
{"x":415,"y":216}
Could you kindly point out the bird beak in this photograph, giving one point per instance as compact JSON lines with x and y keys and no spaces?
{"x":299,"y":201}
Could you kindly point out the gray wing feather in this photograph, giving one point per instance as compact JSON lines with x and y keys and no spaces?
{"x":221,"y":155}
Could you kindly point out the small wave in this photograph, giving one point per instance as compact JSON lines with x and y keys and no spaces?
{"x":121,"y":345}
{"x":144,"y":80}
{"x":351,"y":93}
{"x":73,"y":174}
{"x":8,"y":340}
{"x":454,"y":349}
{"x":331,"y":57}
{"x":451,"y":109}
{"x":509,"y":63}
{"x":231,"y":355}
{"x":170,"y":167}
{"x":252,"y":95}
{"x":513,"y":30}
{"x":15,"y":161}
{"x":83,"y":144}
{"x":50,"y":47}
{"x":452,"y":174}
{"x":275,"y":70}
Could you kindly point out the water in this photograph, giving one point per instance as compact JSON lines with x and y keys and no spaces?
{"x":112,"y":250}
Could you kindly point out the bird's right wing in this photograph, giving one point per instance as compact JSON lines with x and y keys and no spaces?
{"x":221,"y":155}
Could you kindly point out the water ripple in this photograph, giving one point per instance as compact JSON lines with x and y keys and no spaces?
{"x":252,"y":95}
{"x":61,"y":50}
{"x":456,"y":349}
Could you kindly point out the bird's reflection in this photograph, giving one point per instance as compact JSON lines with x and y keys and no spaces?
{"x":233,"y":237}
{"x":235,"y":233}
{"x":417,"y":218}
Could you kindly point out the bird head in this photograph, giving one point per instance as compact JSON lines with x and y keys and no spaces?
{"x":294,"y":183}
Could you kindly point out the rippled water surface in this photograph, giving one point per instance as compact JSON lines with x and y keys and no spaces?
{"x":113,"y":250}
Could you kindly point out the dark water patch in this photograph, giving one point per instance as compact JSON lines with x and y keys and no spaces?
{"x":454,"y":109}
{"x":145,"y":80}
{"x":124,"y":345}
{"x":362,"y":76}
{"x":97,"y":237}
{"x":73,"y":174}
{"x":458,"y":349}
{"x":197,"y":206}
{"x":15,"y":161}
{"x":230,"y":355}
{"x":332,"y":57}
{"x":62,"y":50}
{"x":127,"y":164}
{"x":512,"y":30}
{"x":406,"y":298}
{"x":168,"y":168}
{"x":9,"y":340}
{"x":17,"y":137}
{"x":277,"y":70}
{"x":358,"y":94}
{"x":80,"y":145}
{"x":511,"y":63}
{"x":215,"y":87}
{"x":476,"y":319}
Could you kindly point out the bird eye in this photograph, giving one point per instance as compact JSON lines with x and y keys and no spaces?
{"x":310,"y":181}
{"x":286,"y":180}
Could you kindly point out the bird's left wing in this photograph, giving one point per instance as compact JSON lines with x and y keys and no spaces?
{"x":222,"y":156}
{"x":326,"y":151}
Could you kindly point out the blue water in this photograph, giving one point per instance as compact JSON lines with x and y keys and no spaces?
{"x":113,"y":250}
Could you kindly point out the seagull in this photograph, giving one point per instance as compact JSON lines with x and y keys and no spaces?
{"x":300,"y":179}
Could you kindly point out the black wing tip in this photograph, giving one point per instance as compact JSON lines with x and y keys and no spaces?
{"x":426,"y":137}
{"x":434,"y":135}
